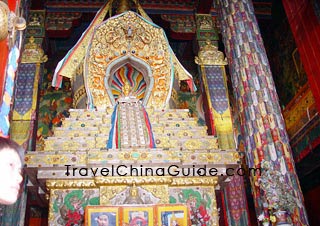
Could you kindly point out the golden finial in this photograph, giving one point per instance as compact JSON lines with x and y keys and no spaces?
{"x":123,"y":6}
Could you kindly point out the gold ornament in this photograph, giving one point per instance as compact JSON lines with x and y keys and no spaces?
{"x":4,"y":13}
{"x":33,"y":53}
{"x":210,"y":55}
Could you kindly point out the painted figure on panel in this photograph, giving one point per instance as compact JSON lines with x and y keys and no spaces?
{"x":198,"y":205}
{"x":138,"y":218}
{"x":133,"y":197}
{"x":70,"y":208}
{"x":103,"y":220}
{"x":172,"y":218}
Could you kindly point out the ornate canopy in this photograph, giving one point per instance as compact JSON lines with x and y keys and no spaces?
{"x":128,"y":39}
{"x":108,"y":51}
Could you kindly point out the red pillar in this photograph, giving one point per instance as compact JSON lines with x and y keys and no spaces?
{"x":305,"y":27}
{"x":4,"y":50}
{"x":3,"y":64}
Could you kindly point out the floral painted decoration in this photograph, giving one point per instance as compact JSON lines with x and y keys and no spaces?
{"x":263,"y":218}
{"x":278,"y":192}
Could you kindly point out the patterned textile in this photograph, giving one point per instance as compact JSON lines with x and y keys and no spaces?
{"x":21,"y":131}
{"x":151,"y":143}
{"x":8,"y":92}
{"x":236,"y":202}
{"x":70,"y":63}
{"x":112,"y":142}
{"x":217,"y":88}
{"x":130,"y":127}
{"x":24,"y":90}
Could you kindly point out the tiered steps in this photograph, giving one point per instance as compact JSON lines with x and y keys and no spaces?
{"x":172,"y":129}
{"x":82,"y":141}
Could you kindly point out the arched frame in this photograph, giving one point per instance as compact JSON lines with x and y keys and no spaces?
{"x":137,"y":63}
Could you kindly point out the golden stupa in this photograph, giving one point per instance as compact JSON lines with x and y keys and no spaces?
{"x":124,"y":133}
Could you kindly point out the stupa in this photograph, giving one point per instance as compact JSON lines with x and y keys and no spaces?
{"x":124,"y":135}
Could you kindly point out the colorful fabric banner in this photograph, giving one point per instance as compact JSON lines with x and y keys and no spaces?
{"x":8,"y":92}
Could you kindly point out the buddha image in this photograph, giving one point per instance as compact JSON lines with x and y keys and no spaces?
{"x":133,"y":196}
{"x":35,"y":20}
{"x":126,"y":88}
{"x":127,"y":93}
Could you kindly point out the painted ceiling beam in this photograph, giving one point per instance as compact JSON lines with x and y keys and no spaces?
{"x":262,"y":8}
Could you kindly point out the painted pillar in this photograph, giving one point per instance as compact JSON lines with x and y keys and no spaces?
{"x":262,"y":124}
{"x":212,"y":69}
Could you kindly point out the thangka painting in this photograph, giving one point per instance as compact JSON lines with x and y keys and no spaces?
{"x":193,"y":102}
{"x":286,"y":67}
{"x":146,"y":215}
{"x":101,"y":216}
{"x":138,"y":215}
{"x":173,"y":215}
{"x":53,"y":107}
{"x":68,"y":206}
{"x":201,"y":204}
